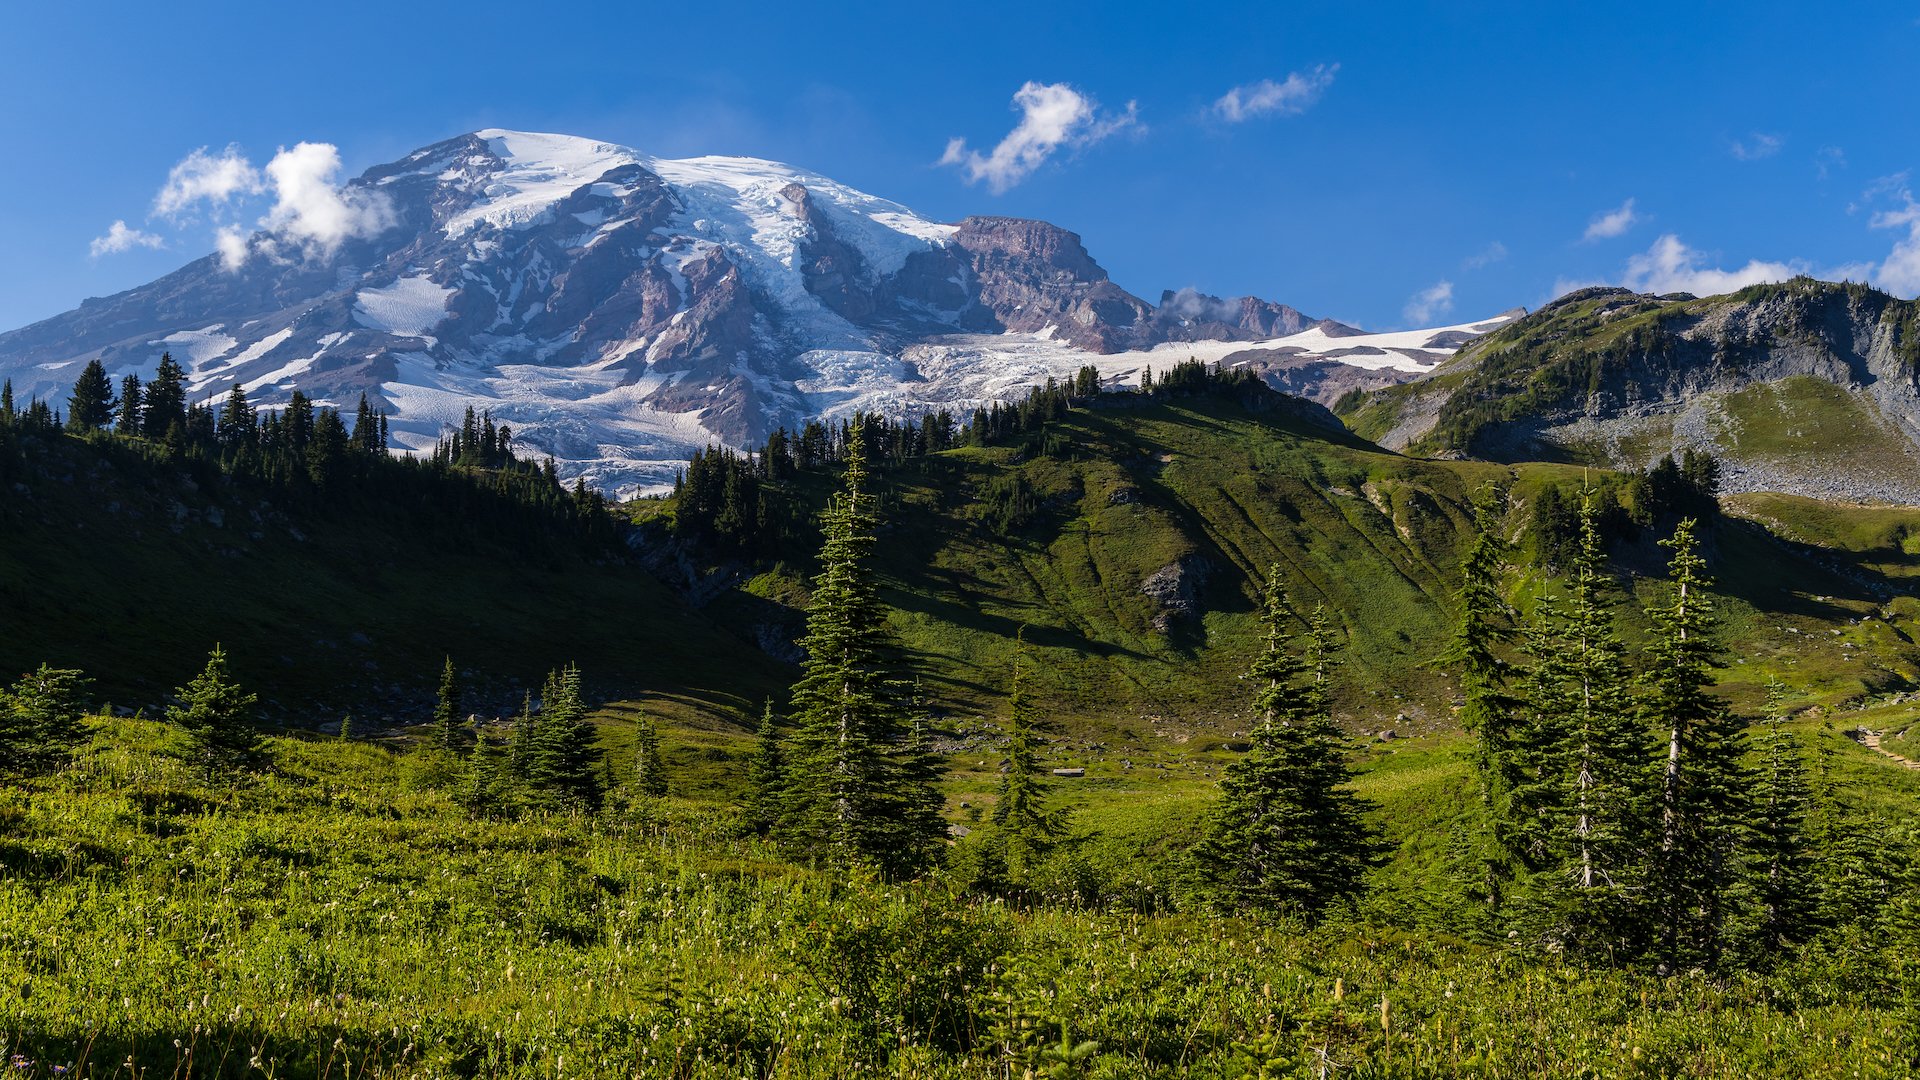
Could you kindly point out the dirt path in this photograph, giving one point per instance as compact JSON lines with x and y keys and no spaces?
{"x":1871,"y":740}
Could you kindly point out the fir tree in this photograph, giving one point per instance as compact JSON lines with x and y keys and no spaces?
{"x":1489,"y":709}
{"x":128,"y":422}
{"x":649,"y":770}
{"x":563,"y":755}
{"x":219,"y":715}
{"x":856,"y":789}
{"x":526,"y":728}
{"x":1027,"y":830}
{"x":766,"y":775}
{"x":1703,"y":804}
{"x":91,"y":405}
{"x":1579,"y":764}
{"x":164,"y":401}
{"x":6,"y":400}
{"x":40,"y":719}
{"x":238,"y":424}
{"x":487,"y":789}
{"x":1286,"y":836}
{"x":1782,"y":859}
{"x":446,"y":709}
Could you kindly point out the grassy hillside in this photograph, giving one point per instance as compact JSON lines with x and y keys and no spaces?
{"x":340,"y":916}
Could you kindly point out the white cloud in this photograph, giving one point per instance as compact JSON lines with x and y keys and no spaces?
{"x":231,"y":243}
{"x":1899,"y":272}
{"x":1756,"y":146}
{"x":202,"y":176}
{"x":120,"y":238}
{"x":1612,"y":223}
{"x":1828,"y":159}
{"x":1671,"y":266}
{"x":1429,"y":303}
{"x":1487,"y":256}
{"x":1290,"y":97}
{"x":1052,"y":116}
{"x":311,"y":211}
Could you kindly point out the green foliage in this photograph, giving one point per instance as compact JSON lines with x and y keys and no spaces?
{"x":447,"y":720}
{"x":649,"y":768}
{"x":562,"y":754}
{"x":40,"y":719}
{"x":854,"y":793}
{"x":220,"y":716}
{"x":1026,"y":830}
{"x":1287,"y":837}
{"x":766,"y":775}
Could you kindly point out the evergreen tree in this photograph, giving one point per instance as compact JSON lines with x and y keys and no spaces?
{"x":563,"y":755}
{"x":856,"y":789}
{"x":1579,"y":764}
{"x":1782,"y":858}
{"x":1286,"y":836}
{"x":1027,"y":830}
{"x":40,"y":719}
{"x":649,"y":770}
{"x":165,"y":399}
{"x":766,"y":775}
{"x":1489,"y":709}
{"x":526,"y":728}
{"x":446,"y":709}
{"x":1703,"y":804}
{"x":219,"y":715}
{"x":6,"y":400}
{"x":487,"y":789}
{"x":128,"y":422}
{"x":238,"y":424}
{"x":91,"y":405}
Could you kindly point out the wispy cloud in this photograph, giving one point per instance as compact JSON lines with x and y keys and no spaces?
{"x":1612,"y":223}
{"x":1829,"y":158}
{"x":1289,"y":97}
{"x":216,"y":179}
{"x":1899,"y":272}
{"x":1053,"y":116}
{"x":1429,"y":303}
{"x":119,"y":238}
{"x":1671,"y":266}
{"x":311,"y":214}
{"x":1485,"y":257}
{"x":1756,"y":146}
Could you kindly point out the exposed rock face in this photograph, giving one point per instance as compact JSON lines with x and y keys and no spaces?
{"x":1031,"y":276}
{"x":1175,"y":589}
{"x":1804,"y":387}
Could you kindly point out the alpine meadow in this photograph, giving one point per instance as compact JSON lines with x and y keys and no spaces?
{"x":537,"y":607}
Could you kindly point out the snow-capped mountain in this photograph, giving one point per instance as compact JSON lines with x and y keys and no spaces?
{"x":620,"y":310}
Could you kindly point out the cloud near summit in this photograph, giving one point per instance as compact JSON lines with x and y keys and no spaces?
{"x":311,"y":215}
{"x":1053,"y":116}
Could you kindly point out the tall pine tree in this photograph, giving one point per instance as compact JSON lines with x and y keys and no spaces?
{"x":649,"y":769}
{"x":91,"y":405}
{"x":1703,"y":804}
{"x":1783,"y":869}
{"x":446,"y":709}
{"x":1287,"y":836}
{"x":1026,"y":829}
{"x":164,"y":401}
{"x":856,"y":789}
{"x":564,"y":755}
{"x":766,"y":775}
{"x":1580,"y":763}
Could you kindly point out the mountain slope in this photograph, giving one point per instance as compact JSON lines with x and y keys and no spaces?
{"x":620,"y":310}
{"x":1805,"y":387}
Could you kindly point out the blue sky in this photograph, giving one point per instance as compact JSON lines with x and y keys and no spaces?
{"x":1382,"y":164}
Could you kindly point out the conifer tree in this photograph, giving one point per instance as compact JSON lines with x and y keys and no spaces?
{"x":219,"y":715}
{"x":91,"y":405}
{"x":564,"y":755}
{"x":40,"y":719}
{"x":857,"y":790}
{"x":1580,"y":763}
{"x":526,"y":727}
{"x":446,"y":709}
{"x":128,"y":421}
{"x":1782,"y":859}
{"x":1027,"y":830}
{"x":649,"y":770}
{"x":6,"y":400}
{"x":766,"y":775}
{"x":238,"y":424}
{"x":164,"y":399}
{"x":1702,"y":802}
{"x":487,"y":790}
{"x":1489,"y":710}
{"x":1286,"y":836}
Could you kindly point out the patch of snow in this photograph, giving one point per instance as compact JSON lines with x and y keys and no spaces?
{"x":410,"y":307}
